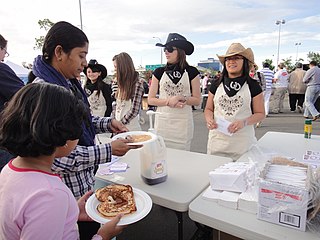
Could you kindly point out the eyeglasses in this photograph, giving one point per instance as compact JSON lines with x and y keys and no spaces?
{"x":6,"y":53}
{"x":170,"y":49}
{"x":233,"y":58}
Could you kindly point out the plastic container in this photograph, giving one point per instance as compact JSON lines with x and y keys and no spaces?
{"x":307,"y":128}
{"x":153,"y":164}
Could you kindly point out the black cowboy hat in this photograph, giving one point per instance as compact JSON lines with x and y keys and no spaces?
{"x":94,"y":65}
{"x":179,"y":41}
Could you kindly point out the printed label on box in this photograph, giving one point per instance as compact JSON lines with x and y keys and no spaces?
{"x":290,"y":219}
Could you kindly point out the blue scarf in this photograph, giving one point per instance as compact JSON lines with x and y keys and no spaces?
{"x":49,"y":74}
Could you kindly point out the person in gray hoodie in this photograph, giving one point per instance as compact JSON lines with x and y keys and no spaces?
{"x":312,"y":79}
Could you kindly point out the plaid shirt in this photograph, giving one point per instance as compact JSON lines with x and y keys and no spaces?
{"x":136,"y":104}
{"x":77,"y":169}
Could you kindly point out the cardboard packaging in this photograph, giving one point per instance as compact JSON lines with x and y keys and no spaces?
{"x":284,"y":204}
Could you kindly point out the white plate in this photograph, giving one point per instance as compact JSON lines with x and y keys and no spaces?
{"x":143,"y":204}
{"x":125,"y":134}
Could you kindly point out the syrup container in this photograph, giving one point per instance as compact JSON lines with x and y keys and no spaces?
{"x":153,"y":157}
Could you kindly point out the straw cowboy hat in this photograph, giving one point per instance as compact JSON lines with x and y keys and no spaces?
{"x":94,"y":65}
{"x":238,"y":49}
{"x":179,"y":41}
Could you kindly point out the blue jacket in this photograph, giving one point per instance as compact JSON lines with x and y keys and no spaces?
{"x":10,"y":83}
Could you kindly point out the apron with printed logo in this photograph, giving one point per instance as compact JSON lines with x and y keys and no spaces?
{"x":175,"y":125}
{"x":237,"y":107}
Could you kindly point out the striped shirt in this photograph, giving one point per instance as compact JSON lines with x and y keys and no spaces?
{"x":77,"y":169}
{"x":268,"y":75}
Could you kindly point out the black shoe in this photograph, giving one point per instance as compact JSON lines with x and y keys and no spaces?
{"x":316,"y":117}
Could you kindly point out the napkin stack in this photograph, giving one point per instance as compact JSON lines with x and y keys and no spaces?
{"x":228,"y":182}
{"x":234,"y":176}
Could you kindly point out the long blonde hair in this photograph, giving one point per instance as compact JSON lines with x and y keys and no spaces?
{"x":126,"y":76}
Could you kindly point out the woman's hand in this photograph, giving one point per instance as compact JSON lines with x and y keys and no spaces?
{"x":111,"y":229}
{"x":236,"y":126}
{"x":117,"y":126}
{"x":120,"y":147}
{"x":83,"y":216}
{"x":178,"y":101}
{"x":211,"y":124}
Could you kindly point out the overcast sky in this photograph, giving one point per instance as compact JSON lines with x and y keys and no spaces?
{"x":115,"y":26}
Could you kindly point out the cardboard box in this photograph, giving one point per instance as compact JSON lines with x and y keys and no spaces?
{"x":283,"y":204}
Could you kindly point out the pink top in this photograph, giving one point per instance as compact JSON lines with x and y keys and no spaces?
{"x":36,"y":205}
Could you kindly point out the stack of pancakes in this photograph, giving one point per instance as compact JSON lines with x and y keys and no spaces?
{"x":115,"y":199}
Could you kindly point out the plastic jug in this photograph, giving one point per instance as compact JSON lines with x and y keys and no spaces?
{"x":153,"y":157}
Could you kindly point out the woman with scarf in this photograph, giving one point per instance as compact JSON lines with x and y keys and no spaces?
{"x":178,"y":85}
{"x":64,"y":58}
{"x":234,"y":105}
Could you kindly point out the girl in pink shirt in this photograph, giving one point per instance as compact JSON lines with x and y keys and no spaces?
{"x":41,"y":122}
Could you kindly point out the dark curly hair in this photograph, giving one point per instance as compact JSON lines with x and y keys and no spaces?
{"x":39,"y":118}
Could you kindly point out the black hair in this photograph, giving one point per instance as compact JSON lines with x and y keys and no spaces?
{"x":3,"y":42}
{"x":31,"y":77}
{"x":100,"y":82}
{"x":182,"y":62}
{"x":245,"y":72}
{"x":64,"y":34}
{"x":39,"y":118}
{"x":266,"y":65}
{"x":313,"y":63}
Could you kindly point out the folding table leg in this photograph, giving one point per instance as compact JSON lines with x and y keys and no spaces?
{"x":180,"y":225}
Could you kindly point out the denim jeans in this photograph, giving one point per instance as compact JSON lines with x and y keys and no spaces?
{"x":312,"y":93}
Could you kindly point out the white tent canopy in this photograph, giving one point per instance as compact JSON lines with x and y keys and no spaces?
{"x":21,"y":71}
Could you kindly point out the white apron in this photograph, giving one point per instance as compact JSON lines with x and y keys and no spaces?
{"x":232,"y":108}
{"x":98,"y":105}
{"x":122,"y":108}
{"x":175,"y":125}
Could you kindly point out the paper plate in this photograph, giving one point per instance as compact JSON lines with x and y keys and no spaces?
{"x":143,"y":204}
{"x":125,"y":134}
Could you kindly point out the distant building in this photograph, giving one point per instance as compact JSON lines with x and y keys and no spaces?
{"x":211,"y":63}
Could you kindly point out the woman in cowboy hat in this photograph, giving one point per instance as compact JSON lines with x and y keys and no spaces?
{"x":236,"y":102}
{"x":98,"y":92}
{"x":179,"y":90}
{"x":129,"y":92}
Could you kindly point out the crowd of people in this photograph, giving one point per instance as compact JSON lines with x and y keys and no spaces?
{"x":48,"y":128}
